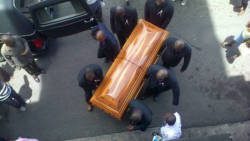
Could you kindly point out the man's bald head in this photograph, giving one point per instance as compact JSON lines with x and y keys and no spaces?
{"x":120,"y":11}
{"x":159,"y":2}
{"x":89,"y":74}
{"x":136,"y":116}
{"x":162,"y":74}
{"x":8,"y":40}
{"x":100,"y":36}
{"x":170,"y":118}
{"x":179,"y":44}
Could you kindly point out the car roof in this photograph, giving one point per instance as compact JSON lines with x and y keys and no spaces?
{"x":12,"y":21}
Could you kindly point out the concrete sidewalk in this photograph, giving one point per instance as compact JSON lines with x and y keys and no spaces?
{"x":226,"y":132}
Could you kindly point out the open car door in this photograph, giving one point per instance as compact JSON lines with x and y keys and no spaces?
{"x":56,"y":18}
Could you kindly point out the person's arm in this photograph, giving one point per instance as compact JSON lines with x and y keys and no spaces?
{"x":150,"y":71}
{"x":187,"y":58}
{"x":26,"y":47}
{"x":146,"y":11}
{"x":100,"y":52}
{"x":135,"y":18}
{"x":143,"y":126}
{"x":8,"y":58}
{"x":168,"y":18}
{"x":178,"y":119}
{"x":175,"y":89}
{"x":112,"y":19}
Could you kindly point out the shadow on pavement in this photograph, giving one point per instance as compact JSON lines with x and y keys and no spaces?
{"x":25,"y":91}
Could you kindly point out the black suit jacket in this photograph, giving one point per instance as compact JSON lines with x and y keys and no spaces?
{"x":159,"y":15}
{"x":123,"y":24}
{"x":146,"y":114}
{"x":171,"y":58}
{"x":88,"y":86}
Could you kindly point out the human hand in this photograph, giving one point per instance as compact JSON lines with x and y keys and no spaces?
{"x":130,"y":127}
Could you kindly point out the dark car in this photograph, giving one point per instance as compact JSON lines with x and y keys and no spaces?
{"x":13,"y":22}
{"x":37,"y":20}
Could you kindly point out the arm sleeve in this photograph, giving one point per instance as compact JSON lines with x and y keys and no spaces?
{"x":176,"y":90}
{"x":178,"y":119}
{"x":168,"y":17}
{"x":187,"y":58}
{"x":149,"y":72}
{"x":136,"y":18}
{"x":7,"y":58}
{"x":112,"y":20}
{"x":141,"y":126}
{"x":99,"y":73}
{"x":146,"y":12}
{"x":100,"y":52}
{"x":26,"y":47}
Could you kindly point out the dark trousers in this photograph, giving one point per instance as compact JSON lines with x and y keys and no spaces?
{"x":15,"y":100}
{"x":33,"y":69}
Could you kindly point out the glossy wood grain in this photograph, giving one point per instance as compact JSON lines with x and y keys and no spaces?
{"x":124,"y":78}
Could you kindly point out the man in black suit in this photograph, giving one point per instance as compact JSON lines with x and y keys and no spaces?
{"x":140,"y":116}
{"x":123,"y":20}
{"x":108,"y":45}
{"x":160,"y":79}
{"x":175,"y":50}
{"x":89,"y":79}
{"x":159,"y":12}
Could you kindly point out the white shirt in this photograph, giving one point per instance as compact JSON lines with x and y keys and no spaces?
{"x":172,"y":132}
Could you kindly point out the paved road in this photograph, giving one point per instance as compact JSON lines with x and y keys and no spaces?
{"x":212,"y":90}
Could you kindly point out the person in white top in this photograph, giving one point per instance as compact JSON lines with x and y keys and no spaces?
{"x":243,"y":37}
{"x":172,"y":128}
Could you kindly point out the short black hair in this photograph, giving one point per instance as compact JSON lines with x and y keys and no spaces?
{"x":170,"y":119}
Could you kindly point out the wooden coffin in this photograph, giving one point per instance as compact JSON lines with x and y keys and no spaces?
{"x":124,"y":78}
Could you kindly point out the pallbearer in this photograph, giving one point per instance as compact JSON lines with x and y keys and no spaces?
{"x":159,"y":12}
{"x":140,"y":116}
{"x":160,"y":79}
{"x":89,"y":79}
{"x":123,"y":20}
{"x":175,"y":50}
{"x":108,"y":45}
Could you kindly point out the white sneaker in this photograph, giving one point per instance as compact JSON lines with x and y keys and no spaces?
{"x":28,"y":101}
{"x":22,"y":109}
{"x":183,"y":2}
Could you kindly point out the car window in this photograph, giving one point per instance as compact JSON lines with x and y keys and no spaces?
{"x":59,"y":11}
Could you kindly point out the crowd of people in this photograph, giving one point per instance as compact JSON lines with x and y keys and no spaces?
{"x":159,"y":77}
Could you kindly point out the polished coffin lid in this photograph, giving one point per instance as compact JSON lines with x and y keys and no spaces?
{"x":124,"y":78}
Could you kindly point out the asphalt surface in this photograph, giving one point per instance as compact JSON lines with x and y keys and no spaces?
{"x":212,"y":90}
